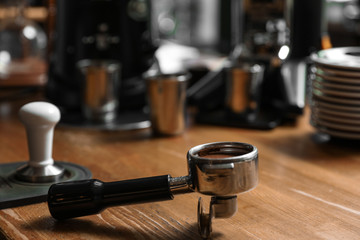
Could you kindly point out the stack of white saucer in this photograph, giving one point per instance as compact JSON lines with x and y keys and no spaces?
{"x":335,"y":105}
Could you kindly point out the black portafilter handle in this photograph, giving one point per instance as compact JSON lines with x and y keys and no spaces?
{"x":82,"y":198}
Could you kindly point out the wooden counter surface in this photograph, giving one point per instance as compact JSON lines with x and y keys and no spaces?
{"x":307,"y":189}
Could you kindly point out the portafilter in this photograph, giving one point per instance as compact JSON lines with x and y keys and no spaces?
{"x":221,"y":170}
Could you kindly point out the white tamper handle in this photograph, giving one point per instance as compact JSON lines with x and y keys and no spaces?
{"x":39,"y":119}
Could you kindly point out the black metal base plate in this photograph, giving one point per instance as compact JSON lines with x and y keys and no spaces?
{"x":14,"y":193}
{"x":263,"y":121}
{"x":130,"y":120}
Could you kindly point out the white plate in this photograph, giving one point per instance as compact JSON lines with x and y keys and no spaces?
{"x":342,"y":87}
{"x":346,"y":94}
{"x":353,"y":81}
{"x":337,"y":107}
{"x":321,"y":110}
{"x":342,"y":57}
{"x":338,"y":126}
{"x":335,"y":119}
{"x":335,"y":133}
{"x":338,"y":72}
{"x":333,"y":99}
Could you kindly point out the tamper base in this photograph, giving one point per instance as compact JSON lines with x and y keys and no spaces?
{"x":50,"y":173}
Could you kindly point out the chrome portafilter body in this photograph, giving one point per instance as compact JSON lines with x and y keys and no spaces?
{"x":221,"y":170}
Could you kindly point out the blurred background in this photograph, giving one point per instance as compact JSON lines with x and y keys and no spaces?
{"x":41,"y":42}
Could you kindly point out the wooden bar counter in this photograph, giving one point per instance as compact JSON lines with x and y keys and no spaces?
{"x":307,"y":189}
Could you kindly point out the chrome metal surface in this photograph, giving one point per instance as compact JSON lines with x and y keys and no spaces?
{"x":220,"y":207}
{"x":335,"y":92}
{"x":224,"y":207}
{"x":101,"y":89}
{"x":180,"y":185}
{"x":342,"y":58}
{"x":51,"y":173}
{"x":294,"y":74}
{"x":204,"y":220}
{"x":167,"y":100}
{"x":243,"y":84}
{"x":223,"y":168}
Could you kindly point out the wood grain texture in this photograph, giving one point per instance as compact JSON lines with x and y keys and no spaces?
{"x":307,"y":189}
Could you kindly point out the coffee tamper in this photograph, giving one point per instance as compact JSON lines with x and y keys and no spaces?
{"x":39,"y":119}
{"x":23,"y":183}
{"x":221,"y":170}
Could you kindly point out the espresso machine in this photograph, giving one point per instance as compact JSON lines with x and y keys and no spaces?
{"x":277,"y":35}
{"x":111,"y":30}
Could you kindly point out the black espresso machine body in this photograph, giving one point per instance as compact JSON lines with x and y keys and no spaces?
{"x":99,"y":29}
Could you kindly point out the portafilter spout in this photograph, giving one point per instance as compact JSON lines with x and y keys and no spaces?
{"x":221,"y":170}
